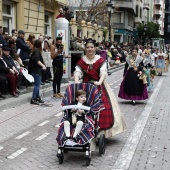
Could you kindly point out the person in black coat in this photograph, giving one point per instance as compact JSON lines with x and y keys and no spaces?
{"x":8,"y":59}
{"x":23,"y":47}
{"x":9,"y":73}
{"x":34,"y":68}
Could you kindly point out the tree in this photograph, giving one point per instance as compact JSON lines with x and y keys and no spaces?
{"x":151,"y":32}
{"x":92,"y":11}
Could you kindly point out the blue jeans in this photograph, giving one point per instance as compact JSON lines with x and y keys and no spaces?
{"x":37,"y":83}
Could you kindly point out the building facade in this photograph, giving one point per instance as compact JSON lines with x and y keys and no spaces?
{"x":158,"y":14}
{"x":32,"y":16}
{"x":123,"y":20}
{"x":167,"y":22}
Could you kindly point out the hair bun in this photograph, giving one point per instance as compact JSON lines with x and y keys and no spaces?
{"x":90,"y":40}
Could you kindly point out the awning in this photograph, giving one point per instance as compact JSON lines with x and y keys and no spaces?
{"x":63,"y":2}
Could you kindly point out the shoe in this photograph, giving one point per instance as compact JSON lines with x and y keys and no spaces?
{"x":17,"y":91}
{"x":14,"y":94}
{"x":57,"y":96}
{"x":42,"y":83}
{"x":133,"y":102}
{"x":38,"y":99}
{"x":60,"y":94}
{"x":46,"y":81}
{"x":2,"y":97}
{"x":34,"y":101}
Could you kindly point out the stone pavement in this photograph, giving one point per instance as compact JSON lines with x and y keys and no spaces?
{"x":148,"y":145}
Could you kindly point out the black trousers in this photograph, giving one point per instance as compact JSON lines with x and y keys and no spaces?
{"x":58,"y":74}
{"x":3,"y":85}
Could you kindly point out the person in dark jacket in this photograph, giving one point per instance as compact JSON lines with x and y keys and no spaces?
{"x":8,"y":59}
{"x":9,"y":73}
{"x":23,"y":47}
{"x":34,"y":68}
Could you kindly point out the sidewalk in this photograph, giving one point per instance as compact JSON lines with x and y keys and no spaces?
{"x":45,"y":90}
{"x":148,"y":146}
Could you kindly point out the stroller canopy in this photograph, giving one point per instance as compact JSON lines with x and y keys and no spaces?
{"x":93,"y":96}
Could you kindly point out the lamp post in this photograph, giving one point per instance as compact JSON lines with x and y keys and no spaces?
{"x":144,"y":33}
{"x":110,"y":8}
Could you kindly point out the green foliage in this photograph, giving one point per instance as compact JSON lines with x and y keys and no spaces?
{"x":151,"y":32}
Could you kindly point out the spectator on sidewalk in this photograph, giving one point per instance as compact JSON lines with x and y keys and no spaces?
{"x":1,"y":37}
{"x":9,"y":73}
{"x":35,"y":66}
{"x":30,"y":41}
{"x":57,"y":54}
{"x":23,"y":48}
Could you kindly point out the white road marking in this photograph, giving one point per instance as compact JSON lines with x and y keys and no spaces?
{"x":1,"y":147}
{"x":127,"y":153}
{"x":116,"y":87}
{"x":18,"y":152}
{"x":42,"y":136}
{"x":111,"y":84}
{"x":23,"y":135}
{"x":43,"y":123}
{"x":58,"y":114}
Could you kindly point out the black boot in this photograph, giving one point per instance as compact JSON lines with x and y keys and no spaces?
{"x":34,"y":101}
{"x":39,"y":100}
{"x":2,"y":97}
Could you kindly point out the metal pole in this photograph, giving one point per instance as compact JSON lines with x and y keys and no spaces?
{"x":109,"y":26}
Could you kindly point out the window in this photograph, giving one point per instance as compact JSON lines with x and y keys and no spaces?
{"x":168,"y":29}
{"x":8,"y":16}
{"x":47,"y":24}
{"x":136,"y":10}
{"x":117,"y":17}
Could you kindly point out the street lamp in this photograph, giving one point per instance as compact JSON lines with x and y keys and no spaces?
{"x":110,"y":8}
{"x":144,"y":33}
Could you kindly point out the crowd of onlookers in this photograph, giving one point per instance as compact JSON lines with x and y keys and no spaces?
{"x":16,"y":49}
{"x":15,"y":52}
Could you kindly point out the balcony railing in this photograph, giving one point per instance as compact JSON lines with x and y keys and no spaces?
{"x":157,"y":12}
{"x":118,"y":25}
{"x":157,"y":2}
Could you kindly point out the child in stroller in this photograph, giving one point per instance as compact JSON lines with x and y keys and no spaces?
{"x":82,"y":139}
{"x":77,"y":116}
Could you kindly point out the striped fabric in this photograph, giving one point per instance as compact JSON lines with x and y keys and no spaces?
{"x":93,"y":99}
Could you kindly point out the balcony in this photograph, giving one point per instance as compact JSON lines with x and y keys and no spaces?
{"x":125,"y":4}
{"x":157,"y":12}
{"x":118,"y":25}
{"x":146,"y":6}
{"x":157,"y":2}
{"x":157,"y":21}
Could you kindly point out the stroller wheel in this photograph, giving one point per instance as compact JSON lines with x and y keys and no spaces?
{"x":60,"y":159}
{"x":102,"y":144}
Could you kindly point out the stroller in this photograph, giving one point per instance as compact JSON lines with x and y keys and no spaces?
{"x":89,"y":132}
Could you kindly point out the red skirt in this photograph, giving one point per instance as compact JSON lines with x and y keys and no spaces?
{"x":106,"y":119}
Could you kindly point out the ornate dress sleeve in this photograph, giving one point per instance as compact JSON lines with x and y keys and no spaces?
{"x":78,"y":72}
{"x":103,"y":69}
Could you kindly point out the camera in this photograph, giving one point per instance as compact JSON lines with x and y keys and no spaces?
{"x":59,"y":46}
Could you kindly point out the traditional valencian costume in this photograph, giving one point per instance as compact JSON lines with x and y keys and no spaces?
{"x":133,"y":86}
{"x":111,"y":121}
{"x":160,"y":63}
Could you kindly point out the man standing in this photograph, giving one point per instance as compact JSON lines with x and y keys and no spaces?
{"x":57,"y":54}
{"x":23,"y":47}
{"x":61,"y":15}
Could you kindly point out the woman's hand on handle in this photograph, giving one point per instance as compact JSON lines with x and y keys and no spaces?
{"x":97,"y":83}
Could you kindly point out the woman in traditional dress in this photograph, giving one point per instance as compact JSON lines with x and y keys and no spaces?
{"x":133,"y":87}
{"x":160,"y":63}
{"x":93,"y":68}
